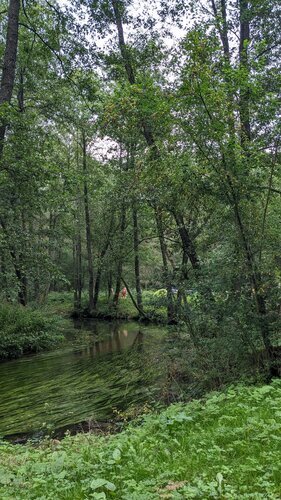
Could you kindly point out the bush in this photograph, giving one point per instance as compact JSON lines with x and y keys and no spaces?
{"x":23,"y":330}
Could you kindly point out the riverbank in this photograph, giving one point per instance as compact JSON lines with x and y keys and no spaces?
{"x":154,"y":305}
{"x":25,"y":331}
{"x":224,"y":446}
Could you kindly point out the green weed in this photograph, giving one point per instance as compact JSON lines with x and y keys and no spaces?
{"x":226,"y":446}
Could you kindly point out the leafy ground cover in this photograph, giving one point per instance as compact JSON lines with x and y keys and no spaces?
{"x":61,"y":303}
{"x":23,"y":331}
{"x":225,"y":446}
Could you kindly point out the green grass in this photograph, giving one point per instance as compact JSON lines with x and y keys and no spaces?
{"x":24,"y":330}
{"x":226,"y":446}
{"x":61,"y":303}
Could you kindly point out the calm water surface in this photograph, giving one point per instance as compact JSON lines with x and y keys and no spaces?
{"x":102,"y":367}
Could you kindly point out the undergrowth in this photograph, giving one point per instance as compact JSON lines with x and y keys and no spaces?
{"x":23,"y":330}
{"x":226,"y":446}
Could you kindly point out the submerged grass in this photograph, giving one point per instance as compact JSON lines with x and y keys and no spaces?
{"x":23,"y":331}
{"x":226,"y":446}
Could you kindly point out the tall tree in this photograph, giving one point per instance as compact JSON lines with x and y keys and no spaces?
{"x":9,"y":65}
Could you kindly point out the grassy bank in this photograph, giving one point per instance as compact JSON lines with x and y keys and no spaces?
{"x":154,"y":304}
{"x":24,"y":331}
{"x":226,"y":446}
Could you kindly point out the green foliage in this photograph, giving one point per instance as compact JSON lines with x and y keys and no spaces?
{"x":23,"y":331}
{"x":226,"y":446}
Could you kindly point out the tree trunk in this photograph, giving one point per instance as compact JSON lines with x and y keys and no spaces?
{"x":77,"y":260}
{"x":187,"y":243}
{"x":109,"y":285}
{"x":99,"y":273}
{"x":9,"y":64}
{"x":148,"y":135}
{"x":166,"y":275}
{"x":243,"y":59}
{"x":17,"y":260}
{"x":256,"y":282}
{"x":122,"y":45}
{"x":120,"y":260}
{"x":88,"y":226}
{"x":136,"y":252}
{"x":139,"y":309}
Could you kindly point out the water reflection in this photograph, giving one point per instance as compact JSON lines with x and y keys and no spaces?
{"x":101,"y":367}
{"x":116,"y":338}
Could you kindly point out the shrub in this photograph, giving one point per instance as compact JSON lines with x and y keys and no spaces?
{"x":23,"y":330}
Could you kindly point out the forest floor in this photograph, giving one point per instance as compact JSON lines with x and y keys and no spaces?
{"x":225,"y":446}
{"x":61,"y":303}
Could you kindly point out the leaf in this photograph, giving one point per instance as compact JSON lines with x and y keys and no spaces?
{"x":116,"y":454}
{"x":97,"y":483}
{"x":99,"y":496}
{"x":100,"y":483}
{"x":110,"y":486}
{"x":219,"y":478}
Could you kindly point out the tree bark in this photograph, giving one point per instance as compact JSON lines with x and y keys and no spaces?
{"x":99,"y":274}
{"x":149,"y":137}
{"x":122,"y":45}
{"x":77,"y":260}
{"x":88,"y":226}
{"x":187,"y":243}
{"x":109,"y":285}
{"x":136,"y":252}
{"x":139,"y":309}
{"x":166,"y":276}
{"x":17,"y":263}
{"x":244,"y":108}
{"x":9,"y":63}
{"x":120,"y":259}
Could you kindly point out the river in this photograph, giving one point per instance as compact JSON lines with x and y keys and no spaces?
{"x":102,"y":368}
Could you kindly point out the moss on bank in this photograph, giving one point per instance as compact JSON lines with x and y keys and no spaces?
{"x":226,"y":446}
{"x":24,"y":331}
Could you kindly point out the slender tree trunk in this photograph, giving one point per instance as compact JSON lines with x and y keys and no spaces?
{"x":166,"y":274}
{"x":100,"y":264}
{"x":256,"y":282}
{"x":187,"y":243}
{"x":136,"y":252}
{"x":99,"y":273}
{"x":128,"y":65}
{"x":243,"y":59}
{"x":139,"y":309}
{"x":77,"y":260}
{"x":23,"y":283}
{"x":122,"y":45}
{"x":4,"y":281}
{"x":9,"y":64}
{"x":88,"y":226}
{"x":109,"y":285}
{"x":120,"y":259}
{"x":97,"y":284}
{"x":244,"y":111}
{"x":17,"y":260}
{"x":148,"y":135}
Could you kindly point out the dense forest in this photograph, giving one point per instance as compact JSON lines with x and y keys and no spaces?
{"x":141,"y":148}
{"x":140,"y":238}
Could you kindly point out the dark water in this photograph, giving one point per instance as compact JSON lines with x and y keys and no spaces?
{"x":102,"y":367}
